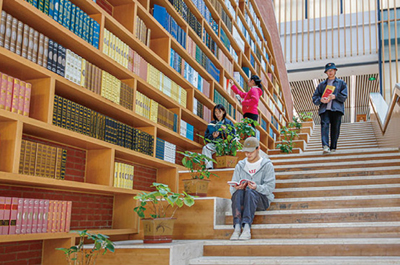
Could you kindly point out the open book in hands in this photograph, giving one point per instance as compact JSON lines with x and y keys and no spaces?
{"x":234,"y":183}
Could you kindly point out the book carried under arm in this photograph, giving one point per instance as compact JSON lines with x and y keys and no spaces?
{"x":328,"y":90}
{"x":235,"y":183}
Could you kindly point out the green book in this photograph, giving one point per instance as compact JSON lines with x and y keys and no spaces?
{"x":46,"y":7}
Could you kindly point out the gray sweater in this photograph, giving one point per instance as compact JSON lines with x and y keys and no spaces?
{"x":264,"y":177}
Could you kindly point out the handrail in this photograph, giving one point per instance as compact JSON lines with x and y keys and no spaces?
{"x":382,"y":110}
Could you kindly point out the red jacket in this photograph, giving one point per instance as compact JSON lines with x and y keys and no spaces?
{"x":250,"y":99}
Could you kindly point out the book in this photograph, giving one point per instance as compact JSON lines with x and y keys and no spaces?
{"x":235,"y":183}
{"x":328,"y":90}
{"x":2,"y":27}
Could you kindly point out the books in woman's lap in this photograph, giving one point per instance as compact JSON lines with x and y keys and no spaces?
{"x":235,"y":183}
{"x":212,"y":127}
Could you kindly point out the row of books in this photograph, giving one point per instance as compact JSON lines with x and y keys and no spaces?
{"x":221,"y":11}
{"x":185,"y":12}
{"x":176,"y":61}
{"x":195,"y":51}
{"x":42,"y":160}
{"x":142,"y":31}
{"x":75,"y":117}
{"x":255,"y":18}
{"x":202,"y":111}
{"x":226,"y":63}
{"x":15,"y":94}
{"x":225,"y":39}
{"x":31,"y":216}
{"x":263,"y":124}
{"x":187,"y":130}
{"x":71,"y":17}
{"x":123,"y":175}
{"x":165,"y":151}
{"x":219,"y":99}
{"x":168,"y":22}
{"x":110,"y":87}
{"x":115,"y":48}
{"x":210,"y":43}
{"x":205,"y":12}
{"x":272,"y":133}
{"x":241,"y":81}
{"x":228,"y":88}
{"x":252,"y":29}
{"x":238,"y":38}
{"x":242,"y":28}
{"x":163,"y":83}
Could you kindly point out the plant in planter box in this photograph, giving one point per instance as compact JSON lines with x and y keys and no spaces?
{"x":245,"y":129}
{"x":287,"y":140}
{"x":295,"y":124}
{"x":305,"y":116}
{"x":163,"y":203}
{"x":226,"y":148}
{"x":78,"y":255}
{"x":196,"y":163}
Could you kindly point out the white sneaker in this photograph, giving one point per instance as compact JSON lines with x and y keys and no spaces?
{"x":246,"y":235}
{"x":333,"y":150}
{"x":326,"y":150}
{"x":235,"y":235}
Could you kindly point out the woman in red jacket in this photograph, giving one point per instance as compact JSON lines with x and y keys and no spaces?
{"x":250,"y":99}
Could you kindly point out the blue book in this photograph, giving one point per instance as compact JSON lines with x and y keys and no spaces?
{"x":171,"y":62}
{"x":80,"y":28}
{"x":51,"y":8}
{"x":56,"y":8}
{"x":174,"y":28}
{"x":35,"y":3}
{"x":189,"y":132}
{"x":175,"y":122}
{"x":66,"y":14}
{"x":246,"y":71}
{"x":87,"y":24}
{"x":160,"y":148}
{"x":61,"y":4}
{"x":96,"y":34}
{"x":72,"y":18}
{"x":161,"y":15}
{"x":77,"y":19}
{"x":91,"y":28}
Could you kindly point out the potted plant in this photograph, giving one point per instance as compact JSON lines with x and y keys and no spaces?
{"x":78,"y":255}
{"x":226,"y":148}
{"x":287,"y":137}
{"x":305,"y":116}
{"x":196,"y":163}
{"x":245,"y":129}
{"x":158,"y":226}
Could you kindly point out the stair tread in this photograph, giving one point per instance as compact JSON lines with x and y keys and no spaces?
{"x":337,"y":179}
{"x":339,"y":198}
{"x":337,"y":170}
{"x":350,"y":187}
{"x":306,"y":241}
{"x":338,"y":152}
{"x":330,"y":158}
{"x":342,"y":163}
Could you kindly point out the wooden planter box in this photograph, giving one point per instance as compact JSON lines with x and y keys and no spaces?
{"x":196,"y":187}
{"x":226,"y":161}
{"x":158,"y":230}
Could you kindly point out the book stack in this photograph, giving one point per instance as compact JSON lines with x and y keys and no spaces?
{"x":32,"y":216}
{"x":219,"y":99}
{"x":142,"y":31}
{"x":183,"y":10}
{"x":126,"y":97}
{"x":143,"y":105}
{"x":187,"y":130}
{"x":165,"y":151}
{"x":225,"y":40}
{"x":196,"y":52}
{"x":154,"y":111}
{"x":207,"y":114}
{"x":42,"y":160}
{"x":167,"y":118}
{"x":205,"y":12}
{"x":198,"y":108}
{"x":115,"y":48}
{"x":75,"y":117}
{"x":226,"y":63}
{"x":110,"y":87}
{"x":123,"y":175}
{"x":221,"y":11}
{"x":176,"y":61}
{"x":210,"y":43}
{"x":243,"y":29}
{"x":168,"y":22}
{"x":15,"y":95}
{"x":71,"y":17}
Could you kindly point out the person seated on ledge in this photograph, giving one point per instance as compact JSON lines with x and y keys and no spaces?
{"x":255,"y":192}
{"x":213,"y":133}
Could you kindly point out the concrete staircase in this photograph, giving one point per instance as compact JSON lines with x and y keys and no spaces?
{"x":341,"y":208}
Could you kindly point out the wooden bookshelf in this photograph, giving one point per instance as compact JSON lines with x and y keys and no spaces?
{"x":101,"y":155}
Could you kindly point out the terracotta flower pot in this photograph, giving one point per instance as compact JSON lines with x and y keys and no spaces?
{"x":196,"y":187}
{"x":226,"y":161}
{"x":158,"y":230}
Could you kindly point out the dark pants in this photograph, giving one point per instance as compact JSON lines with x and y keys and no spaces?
{"x":244,"y":205}
{"x":334,"y":118}
{"x":252,"y":116}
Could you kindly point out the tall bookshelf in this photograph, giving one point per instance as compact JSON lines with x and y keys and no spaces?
{"x":101,"y":155}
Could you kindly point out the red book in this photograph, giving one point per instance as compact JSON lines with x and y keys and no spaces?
{"x":21,"y":99}
{"x":27,"y":99}
{"x":9,"y":92}
{"x":63,"y":212}
{"x":2,"y":201}
{"x":29,"y":221}
{"x":18,"y":226}
{"x":25,"y":216}
{"x":50,"y":216}
{"x":328,"y":90}
{"x":15,"y":96}
{"x":3,"y":91}
{"x":13,"y":216}
{"x":45,"y":216}
{"x":68,"y":217}
{"x":39,"y":228}
{"x":6,"y":217}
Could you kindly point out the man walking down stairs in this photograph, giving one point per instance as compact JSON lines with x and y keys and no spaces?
{"x":341,"y":208}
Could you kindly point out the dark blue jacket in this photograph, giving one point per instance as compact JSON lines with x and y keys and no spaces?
{"x":209,"y":135}
{"x":340,"y":93}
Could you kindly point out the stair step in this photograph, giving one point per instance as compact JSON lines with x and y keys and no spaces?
{"x":308,"y":260}
{"x":343,"y":147}
{"x":339,"y":152}
{"x":367,"y":247}
{"x":317,"y":143}
{"x":378,"y":189}
{"x":336,"y":165}
{"x":344,"y":215}
{"x":392,"y":200}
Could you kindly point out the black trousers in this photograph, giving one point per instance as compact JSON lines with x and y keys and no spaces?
{"x":334,"y":119}
{"x":252,"y":116}
{"x":244,"y":205}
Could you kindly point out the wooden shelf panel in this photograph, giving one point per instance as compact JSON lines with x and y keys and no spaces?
{"x":64,"y":185}
{"x":177,"y":139}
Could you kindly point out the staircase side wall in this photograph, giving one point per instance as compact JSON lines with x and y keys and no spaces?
{"x":391,"y":138}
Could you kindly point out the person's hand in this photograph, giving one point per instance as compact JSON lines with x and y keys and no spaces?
{"x":231,"y":82}
{"x":241,"y":187}
{"x":252,"y":185}
{"x":331,"y":97}
{"x":223,"y":127}
{"x":215,"y":134}
{"x":324,"y":100}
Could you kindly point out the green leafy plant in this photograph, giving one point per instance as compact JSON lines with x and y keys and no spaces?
{"x":196,"y":163}
{"x":228,"y":144}
{"x":154,"y":198}
{"x":296,"y":123}
{"x":78,"y":255}
{"x":287,"y":137}
{"x":305,"y":116}
{"x":245,"y":129}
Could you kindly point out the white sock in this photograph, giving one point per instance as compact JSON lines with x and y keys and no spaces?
{"x":237,"y":228}
{"x":246,"y":227}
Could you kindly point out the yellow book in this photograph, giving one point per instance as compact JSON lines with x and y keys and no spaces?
{"x":125,"y":167}
{"x":131,"y":177}
{"x":111,"y":50}
{"x":118,"y":82}
{"x":120,"y":172}
{"x":119,"y":42}
{"x":115,"y":184}
{"x":328,"y":90}
{"x":106,"y":41}
{"x":83,"y":72}
{"x":103,"y":83}
{"x":149,"y":72}
{"x":126,"y":55}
